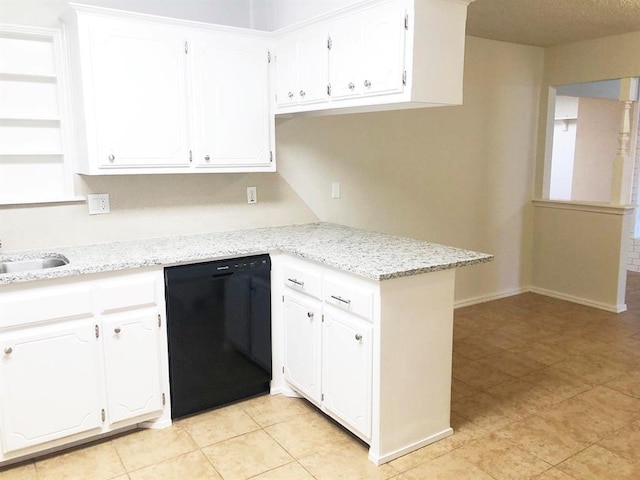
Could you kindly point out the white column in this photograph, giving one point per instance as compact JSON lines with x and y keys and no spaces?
{"x":622,"y":167}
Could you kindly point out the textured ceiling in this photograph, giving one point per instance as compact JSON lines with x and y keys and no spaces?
{"x":551,"y":22}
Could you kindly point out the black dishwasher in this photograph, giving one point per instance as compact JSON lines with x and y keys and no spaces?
{"x":219,"y":328}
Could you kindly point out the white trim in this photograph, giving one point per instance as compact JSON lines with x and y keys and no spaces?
{"x":542,"y":291}
{"x":76,"y":199}
{"x":594,"y":207}
{"x":488,"y":298}
{"x":148,"y":17}
{"x":415,"y":446}
{"x":579,"y":300}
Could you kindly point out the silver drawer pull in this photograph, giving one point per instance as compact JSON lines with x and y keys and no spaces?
{"x":8,"y":351}
{"x":346,"y":301}
{"x":310,"y":314}
{"x":296,"y":282}
{"x":117,"y":330}
{"x":112,"y":157}
{"x":358,"y":337}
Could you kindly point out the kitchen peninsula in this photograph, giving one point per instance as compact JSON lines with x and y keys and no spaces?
{"x":362,"y":327}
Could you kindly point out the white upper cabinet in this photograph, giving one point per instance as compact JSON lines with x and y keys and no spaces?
{"x":302,"y":68}
{"x":138,"y":75}
{"x":383,"y":55}
{"x":159,"y":95}
{"x":230,"y":85}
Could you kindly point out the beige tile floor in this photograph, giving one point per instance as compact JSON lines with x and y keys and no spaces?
{"x":542,"y":389}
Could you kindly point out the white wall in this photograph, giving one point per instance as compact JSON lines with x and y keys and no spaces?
{"x":586,"y":61}
{"x":287,"y":12}
{"x":46,"y":13}
{"x":596,"y":147}
{"x":564,"y":148}
{"x":460,"y":175}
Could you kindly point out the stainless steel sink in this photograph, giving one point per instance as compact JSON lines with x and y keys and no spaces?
{"x":29,"y":264}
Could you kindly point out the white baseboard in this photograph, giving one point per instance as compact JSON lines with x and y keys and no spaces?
{"x":379,"y":460}
{"x":488,"y":298}
{"x":541,"y":291}
{"x":579,"y":300}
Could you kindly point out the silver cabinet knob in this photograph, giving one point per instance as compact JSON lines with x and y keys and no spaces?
{"x":207,"y":158}
{"x":310,"y":314}
{"x":112,"y":157}
{"x":302,"y":93}
{"x":117,"y":330}
{"x":8,"y":351}
{"x":367,"y":83}
{"x":351,"y":86}
{"x":290,"y":94}
{"x":358,"y":337}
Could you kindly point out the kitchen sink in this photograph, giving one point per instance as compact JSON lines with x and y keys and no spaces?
{"x":30,"y":264}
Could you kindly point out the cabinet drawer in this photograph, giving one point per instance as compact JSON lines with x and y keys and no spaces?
{"x":128,"y":293}
{"x":46,"y":304}
{"x":302,"y":280}
{"x":350,"y":298}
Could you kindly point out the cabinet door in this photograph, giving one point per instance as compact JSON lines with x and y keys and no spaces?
{"x":231,"y":102}
{"x":302,"y":345}
{"x":313,"y":66}
{"x":383,"y":50}
{"x":286,"y":55}
{"x":345,"y":58}
{"x":140,"y":99}
{"x":347,"y":370}
{"x":132,"y":365}
{"x":49,"y":379}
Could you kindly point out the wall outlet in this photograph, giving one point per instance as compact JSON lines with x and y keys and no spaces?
{"x":98,"y":203}
{"x":252,"y":195}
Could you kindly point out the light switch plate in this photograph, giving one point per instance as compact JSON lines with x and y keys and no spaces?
{"x":98,"y":203}
{"x":336,"y":190}
{"x":252,"y":195}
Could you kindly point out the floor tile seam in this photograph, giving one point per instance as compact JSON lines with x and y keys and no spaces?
{"x":579,"y":452}
{"x":281,"y":445}
{"x":515,"y":445}
{"x":200,"y":447}
{"x":124,"y":467}
{"x":209,"y":461}
{"x":634,"y":461}
{"x":165,"y":459}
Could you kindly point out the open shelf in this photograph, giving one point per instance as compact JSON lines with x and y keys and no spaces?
{"x":34,"y":141}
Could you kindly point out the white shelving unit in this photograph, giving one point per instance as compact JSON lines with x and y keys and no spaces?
{"x":36,"y":146}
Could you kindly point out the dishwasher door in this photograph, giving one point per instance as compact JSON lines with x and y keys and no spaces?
{"x":219,"y":328}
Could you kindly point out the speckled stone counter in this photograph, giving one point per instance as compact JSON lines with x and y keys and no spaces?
{"x":371,"y":255}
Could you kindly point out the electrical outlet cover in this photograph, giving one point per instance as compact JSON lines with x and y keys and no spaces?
{"x":98,"y":203}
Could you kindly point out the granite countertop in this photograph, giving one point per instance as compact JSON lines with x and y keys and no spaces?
{"x":372,"y":255}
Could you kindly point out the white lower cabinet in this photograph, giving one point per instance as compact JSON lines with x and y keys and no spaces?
{"x":303,"y":345}
{"x":346,"y":370}
{"x":327,"y":349}
{"x":374,"y":355}
{"x":50,"y":384}
{"x":79,"y":359}
{"x":132,"y":365}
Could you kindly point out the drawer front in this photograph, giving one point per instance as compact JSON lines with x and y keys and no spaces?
{"x":128,"y":293}
{"x":46,"y":304}
{"x":349,"y":298}
{"x":302,"y":280}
